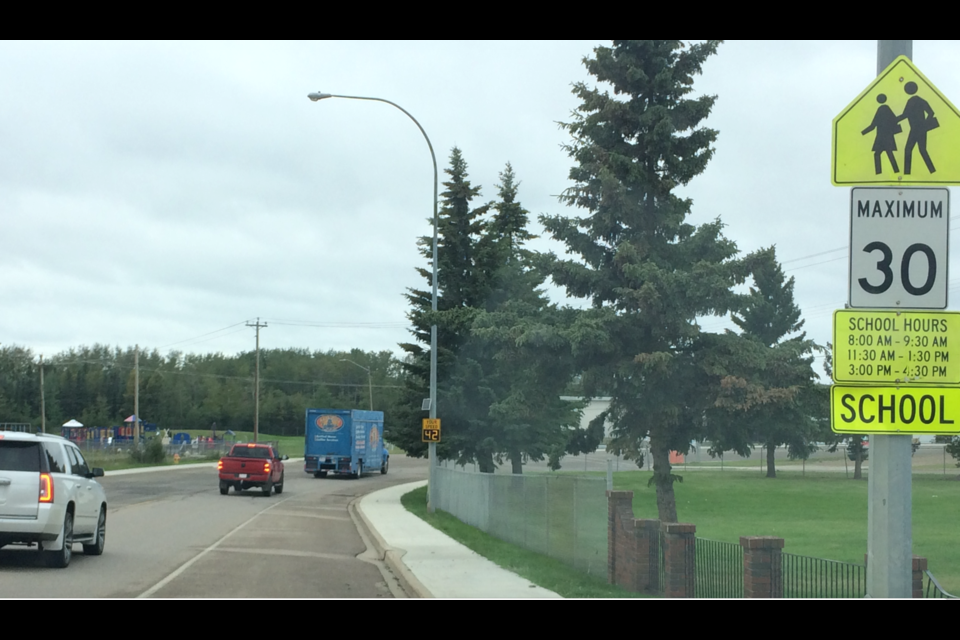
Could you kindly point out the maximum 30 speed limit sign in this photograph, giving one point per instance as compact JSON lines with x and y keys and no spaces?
{"x":899,"y":241}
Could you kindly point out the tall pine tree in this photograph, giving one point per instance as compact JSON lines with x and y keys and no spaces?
{"x":648,"y":273}
{"x":461,"y":285}
{"x":503,"y":351}
{"x":519,"y":343}
{"x":767,"y":398}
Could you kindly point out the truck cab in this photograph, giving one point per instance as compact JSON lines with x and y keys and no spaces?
{"x":252,"y":465}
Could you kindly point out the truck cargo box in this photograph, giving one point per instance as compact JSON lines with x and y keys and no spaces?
{"x":344,"y":441}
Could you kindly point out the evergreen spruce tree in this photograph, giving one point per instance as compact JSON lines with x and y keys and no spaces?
{"x":519,"y":343}
{"x":648,"y":273}
{"x":460,"y":287}
{"x":767,"y":397}
{"x":503,"y":353}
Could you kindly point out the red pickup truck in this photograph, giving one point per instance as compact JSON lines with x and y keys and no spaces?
{"x":252,"y":465}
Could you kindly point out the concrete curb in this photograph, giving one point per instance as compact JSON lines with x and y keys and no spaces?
{"x":393,"y":557}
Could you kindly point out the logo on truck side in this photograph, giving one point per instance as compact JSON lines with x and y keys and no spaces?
{"x":329,"y":423}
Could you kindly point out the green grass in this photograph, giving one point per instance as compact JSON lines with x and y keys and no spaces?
{"x":821,"y":515}
{"x":541,"y":570}
{"x":291,"y":446}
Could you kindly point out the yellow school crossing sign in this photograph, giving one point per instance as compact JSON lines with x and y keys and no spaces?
{"x":900,"y":131}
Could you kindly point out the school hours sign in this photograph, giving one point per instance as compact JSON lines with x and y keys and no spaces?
{"x":899,"y":247}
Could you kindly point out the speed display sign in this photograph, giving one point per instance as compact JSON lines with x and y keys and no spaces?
{"x":899,"y":248}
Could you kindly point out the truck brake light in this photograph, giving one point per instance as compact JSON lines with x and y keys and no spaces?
{"x":220,"y":465}
{"x":46,"y":488}
{"x":266,"y":467}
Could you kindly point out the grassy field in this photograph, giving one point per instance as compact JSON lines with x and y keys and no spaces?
{"x":929,"y":458}
{"x":539,"y":569}
{"x":289,"y":445}
{"x":821,"y":514}
{"x":119,"y":458}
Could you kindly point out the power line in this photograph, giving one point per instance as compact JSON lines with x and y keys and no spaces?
{"x":202,"y":335}
{"x":220,"y":336}
{"x":816,"y":263}
{"x":814,"y":255}
{"x":341,"y":325}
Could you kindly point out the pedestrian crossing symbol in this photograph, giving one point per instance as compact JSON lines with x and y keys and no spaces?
{"x":900,"y":131}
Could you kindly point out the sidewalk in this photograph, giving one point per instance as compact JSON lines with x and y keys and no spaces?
{"x":427,"y":561}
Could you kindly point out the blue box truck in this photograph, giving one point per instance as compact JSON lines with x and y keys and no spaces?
{"x":344,"y":442}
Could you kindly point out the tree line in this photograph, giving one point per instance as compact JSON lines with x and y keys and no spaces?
{"x":178,"y":391}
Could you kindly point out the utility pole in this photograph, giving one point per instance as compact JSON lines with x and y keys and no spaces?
{"x":43,"y":407}
{"x":136,"y":396}
{"x":256,"y":384}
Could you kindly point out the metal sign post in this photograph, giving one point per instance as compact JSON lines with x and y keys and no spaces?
{"x":890,"y":482}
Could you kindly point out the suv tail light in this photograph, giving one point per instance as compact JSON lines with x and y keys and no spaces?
{"x":46,"y":488}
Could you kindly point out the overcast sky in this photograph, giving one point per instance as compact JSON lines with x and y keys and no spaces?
{"x":155,"y":193}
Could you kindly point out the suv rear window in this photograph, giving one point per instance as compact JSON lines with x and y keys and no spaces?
{"x":19,"y":456}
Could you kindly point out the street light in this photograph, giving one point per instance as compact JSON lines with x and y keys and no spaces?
{"x":431,"y":495}
{"x":369,"y":378}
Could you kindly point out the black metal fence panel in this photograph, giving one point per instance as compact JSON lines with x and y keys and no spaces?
{"x":719,"y":567}
{"x":807,"y":577}
{"x":934,"y":590}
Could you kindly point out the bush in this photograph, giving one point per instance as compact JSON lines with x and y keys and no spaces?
{"x":953,"y":448}
{"x":152,"y":452}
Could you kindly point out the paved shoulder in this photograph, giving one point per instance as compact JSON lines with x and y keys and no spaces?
{"x":440,"y":566}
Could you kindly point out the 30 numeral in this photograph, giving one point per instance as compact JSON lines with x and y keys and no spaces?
{"x":883,"y":266}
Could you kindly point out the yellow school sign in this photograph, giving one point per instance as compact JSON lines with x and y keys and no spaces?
{"x":893,"y":410}
{"x":900,"y":131}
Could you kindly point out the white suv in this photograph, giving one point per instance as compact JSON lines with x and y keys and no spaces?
{"x":49,"y":497}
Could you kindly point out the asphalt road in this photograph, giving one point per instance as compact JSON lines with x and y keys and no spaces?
{"x":170,"y":534}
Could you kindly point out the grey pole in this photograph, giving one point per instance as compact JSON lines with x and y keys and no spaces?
{"x":369,"y":378}
{"x":889,"y":500}
{"x":43,"y":405}
{"x":256,"y":384}
{"x":136,"y":397}
{"x":432,"y":485}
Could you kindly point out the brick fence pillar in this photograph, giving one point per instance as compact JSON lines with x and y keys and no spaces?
{"x":633,"y":549}
{"x":679,"y":559}
{"x":620,"y":546}
{"x":919,"y":566}
{"x":762,"y":566}
{"x":648,"y":555}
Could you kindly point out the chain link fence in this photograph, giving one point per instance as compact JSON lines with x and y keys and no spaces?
{"x":560,"y":516}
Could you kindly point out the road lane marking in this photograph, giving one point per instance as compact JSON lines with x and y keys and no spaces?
{"x":288,"y":552}
{"x":291,"y":514}
{"x":186,"y":565}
